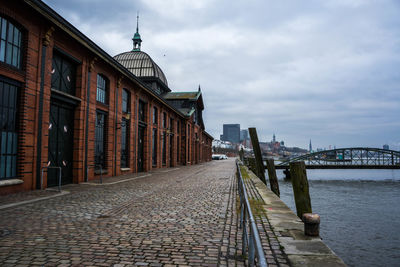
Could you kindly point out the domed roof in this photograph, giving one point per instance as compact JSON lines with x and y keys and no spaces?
{"x":141,"y":65}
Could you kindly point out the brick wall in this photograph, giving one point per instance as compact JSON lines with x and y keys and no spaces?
{"x":36,"y":39}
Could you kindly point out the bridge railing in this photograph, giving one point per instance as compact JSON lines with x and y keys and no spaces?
{"x":251,"y":241}
{"x":350,"y":157}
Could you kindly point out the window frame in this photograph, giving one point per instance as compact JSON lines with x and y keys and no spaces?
{"x":13,"y":46}
{"x":154,"y":147}
{"x":164,"y":121}
{"x":102,"y":98}
{"x":155,"y":115}
{"x":102,"y":161}
{"x":142,"y":111}
{"x":65,"y":61}
{"x":125,"y":143}
{"x":164,"y":148}
{"x":8,"y":128}
{"x":127,"y":100}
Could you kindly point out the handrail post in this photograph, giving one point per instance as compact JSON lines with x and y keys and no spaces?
{"x":59,"y":176}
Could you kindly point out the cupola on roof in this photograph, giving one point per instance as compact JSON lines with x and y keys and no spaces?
{"x":139,"y":62}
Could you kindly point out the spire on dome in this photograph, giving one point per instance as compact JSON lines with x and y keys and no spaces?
{"x":137,"y":41}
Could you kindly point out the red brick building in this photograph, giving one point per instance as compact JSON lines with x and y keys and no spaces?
{"x":66,"y":103}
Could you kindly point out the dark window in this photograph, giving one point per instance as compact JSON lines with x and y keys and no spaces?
{"x":177,"y":127}
{"x":177,"y":150}
{"x":171,"y":125}
{"x":10,"y":44}
{"x":164,"y":121}
{"x":164,"y":148}
{"x":155,"y":115}
{"x":154,"y":147}
{"x":100,"y":139}
{"x":8,"y":133}
{"x":63,"y":75}
{"x":142,"y":114}
{"x":125,"y":143}
{"x":125,"y":100}
{"x":102,"y":86}
{"x":195,"y":116}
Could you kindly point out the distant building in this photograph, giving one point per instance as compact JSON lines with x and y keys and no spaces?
{"x":244,"y":135}
{"x":310,"y":147}
{"x":386,"y":146}
{"x":231,"y":133}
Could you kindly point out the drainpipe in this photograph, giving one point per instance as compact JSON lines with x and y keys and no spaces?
{"x":116,"y":126}
{"x":91,"y":66}
{"x":46,"y":42}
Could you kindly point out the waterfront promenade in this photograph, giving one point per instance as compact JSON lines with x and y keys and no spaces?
{"x":184,"y":216}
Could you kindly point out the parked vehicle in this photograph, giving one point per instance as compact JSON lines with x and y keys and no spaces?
{"x":219,"y":157}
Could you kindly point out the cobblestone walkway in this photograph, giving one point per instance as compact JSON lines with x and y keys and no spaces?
{"x":185,"y":216}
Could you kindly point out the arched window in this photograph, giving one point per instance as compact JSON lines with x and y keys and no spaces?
{"x":10,"y":43}
{"x":102,"y":88}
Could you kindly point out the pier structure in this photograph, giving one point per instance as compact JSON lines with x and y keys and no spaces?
{"x":181,"y":216}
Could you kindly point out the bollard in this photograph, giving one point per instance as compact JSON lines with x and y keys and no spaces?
{"x":311,"y":224}
{"x":252,"y":165}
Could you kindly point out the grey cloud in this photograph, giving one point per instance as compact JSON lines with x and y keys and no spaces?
{"x":325,"y":70}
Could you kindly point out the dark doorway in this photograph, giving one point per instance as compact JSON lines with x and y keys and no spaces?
{"x":60,"y":143}
{"x":140,"y":159}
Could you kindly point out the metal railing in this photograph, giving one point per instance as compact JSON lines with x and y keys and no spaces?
{"x":59,"y":176}
{"x":250,"y":235}
{"x":95,"y":165}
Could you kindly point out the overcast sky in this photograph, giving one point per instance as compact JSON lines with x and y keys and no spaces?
{"x":326,"y":70}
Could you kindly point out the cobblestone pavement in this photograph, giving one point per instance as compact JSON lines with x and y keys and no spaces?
{"x":184,"y":216}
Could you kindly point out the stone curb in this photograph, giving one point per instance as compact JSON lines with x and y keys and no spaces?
{"x":62,"y":193}
{"x":301,"y":250}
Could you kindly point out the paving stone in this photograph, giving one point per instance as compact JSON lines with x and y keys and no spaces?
{"x":186,"y":217}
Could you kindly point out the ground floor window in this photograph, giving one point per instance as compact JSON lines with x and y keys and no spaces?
{"x":8,"y":132}
{"x":154,"y":147}
{"x":177,"y":150}
{"x":125,"y":143}
{"x":164,"y":148}
{"x":100,"y":140}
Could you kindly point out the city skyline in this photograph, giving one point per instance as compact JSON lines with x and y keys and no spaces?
{"x":321,"y":70}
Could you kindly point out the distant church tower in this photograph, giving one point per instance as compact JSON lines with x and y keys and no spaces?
{"x":137,"y":41}
{"x":310,"y":147}
{"x":273,"y":139}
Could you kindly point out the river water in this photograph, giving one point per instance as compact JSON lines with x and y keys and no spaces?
{"x":360,"y":213}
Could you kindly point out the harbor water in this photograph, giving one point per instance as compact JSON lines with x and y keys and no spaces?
{"x":360,"y":213}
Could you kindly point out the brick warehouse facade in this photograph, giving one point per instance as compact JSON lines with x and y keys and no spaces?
{"x":66,"y":103}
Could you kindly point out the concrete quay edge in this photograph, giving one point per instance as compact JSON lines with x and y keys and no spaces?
{"x":301,"y":250}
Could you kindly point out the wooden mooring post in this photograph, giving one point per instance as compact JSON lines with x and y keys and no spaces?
{"x":273,"y":179}
{"x":300,"y":188}
{"x":252,"y":164}
{"x":257,"y":154}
